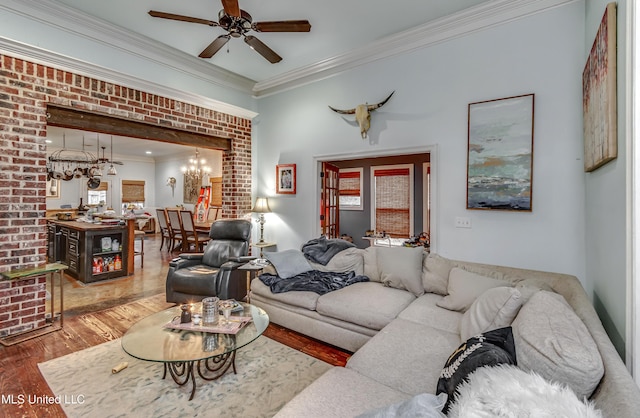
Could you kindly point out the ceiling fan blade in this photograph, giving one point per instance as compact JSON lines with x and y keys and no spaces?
{"x":231,"y":7}
{"x":283,"y":26}
{"x":214,"y":46}
{"x":257,"y":45}
{"x":182,"y":18}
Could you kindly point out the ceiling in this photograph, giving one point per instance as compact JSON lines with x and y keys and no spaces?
{"x":338,"y":27}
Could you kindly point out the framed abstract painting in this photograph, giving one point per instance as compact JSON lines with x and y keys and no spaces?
{"x":599,"y":95}
{"x":500,"y":154}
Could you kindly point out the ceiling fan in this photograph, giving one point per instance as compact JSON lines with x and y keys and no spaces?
{"x":237,"y":23}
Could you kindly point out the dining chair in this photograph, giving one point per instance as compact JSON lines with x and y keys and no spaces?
{"x":175,"y":224}
{"x":214,"y":213}
{"x":165,"y":231}
{"x":192,"y":237}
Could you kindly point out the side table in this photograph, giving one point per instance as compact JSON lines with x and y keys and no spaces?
{"x":252,"y":270}
{"x":49,"y":270}
{"x":262,"y":245}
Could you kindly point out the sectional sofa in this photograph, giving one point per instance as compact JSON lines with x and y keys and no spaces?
{"x":417,"y":310}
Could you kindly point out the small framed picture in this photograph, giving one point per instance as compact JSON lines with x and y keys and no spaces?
{"x":286,"y":179}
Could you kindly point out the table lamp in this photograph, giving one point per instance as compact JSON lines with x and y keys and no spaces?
{"x":261,"y":207}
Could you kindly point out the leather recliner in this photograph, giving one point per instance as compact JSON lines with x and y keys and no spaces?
{"x":214,"y":272}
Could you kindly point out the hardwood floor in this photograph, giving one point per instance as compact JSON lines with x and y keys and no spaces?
{"x":99,"y":313}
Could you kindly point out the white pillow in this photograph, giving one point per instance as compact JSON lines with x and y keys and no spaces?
{"x":495,"y":308}
{"x":401,"y":268}
{"x":371,"y":264}
{"x":552,"y":341}
{"x":464,"y":287}
{"x":507,"y":391}
{"x":435,"y":274}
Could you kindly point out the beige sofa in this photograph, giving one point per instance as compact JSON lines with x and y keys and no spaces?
{"x":405,"y":323}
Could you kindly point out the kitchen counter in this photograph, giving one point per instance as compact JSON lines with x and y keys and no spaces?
{"x":82,"y":247}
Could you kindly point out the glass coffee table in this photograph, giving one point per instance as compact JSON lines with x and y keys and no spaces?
{"x":187,"y":352}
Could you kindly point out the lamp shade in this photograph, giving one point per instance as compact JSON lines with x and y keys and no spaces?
{"x":261,"y":206}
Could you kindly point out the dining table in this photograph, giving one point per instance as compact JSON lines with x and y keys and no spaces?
{"x":203,"y":226}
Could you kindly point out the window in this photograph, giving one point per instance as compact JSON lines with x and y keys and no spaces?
{"x":216,"y":191}
{"x":350,"y":185}
{"x":98,"y":196}
{"x":132,"y":194}
{"x":392,"y":200}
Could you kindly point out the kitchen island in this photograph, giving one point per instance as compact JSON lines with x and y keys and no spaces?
{"x":93,"y":252}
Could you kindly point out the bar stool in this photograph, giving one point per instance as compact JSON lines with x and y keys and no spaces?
{"x":139,"y":235}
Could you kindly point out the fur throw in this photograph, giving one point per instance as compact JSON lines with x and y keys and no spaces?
{"x":507,"y":391}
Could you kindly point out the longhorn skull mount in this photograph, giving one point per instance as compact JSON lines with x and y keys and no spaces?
{"x":363,"y":114}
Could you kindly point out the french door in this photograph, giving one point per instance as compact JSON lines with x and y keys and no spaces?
{"x":329,"y":210}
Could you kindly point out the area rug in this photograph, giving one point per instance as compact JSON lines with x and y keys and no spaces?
{"x":269,"y":375}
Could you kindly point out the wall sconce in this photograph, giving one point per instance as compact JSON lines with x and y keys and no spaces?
{"x":171,"y":182}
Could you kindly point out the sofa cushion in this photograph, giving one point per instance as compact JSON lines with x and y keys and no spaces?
{"x":553,"y":342}
{"x":406,"y":356}
{"x":288,"y":263}
{"x":307,"y":300}
{"x":464,"y":287}
{"x":488,"y":349}
{"x":340,"y":392}
{"x":370,"y":258}
{"x":423,"y":405}
{"x":435,"y":273}
{"x":489,"y":391}
{"x":495,"y":308}
{"x":401,"y":268}
{"x":424,"y":311}
{"x":356,"y":304}
{"x":347,"y":260}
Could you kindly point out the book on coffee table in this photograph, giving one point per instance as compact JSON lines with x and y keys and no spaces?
{"x":232,"y":326}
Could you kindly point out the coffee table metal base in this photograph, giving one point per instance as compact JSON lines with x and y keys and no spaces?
{"x":211,"y":368}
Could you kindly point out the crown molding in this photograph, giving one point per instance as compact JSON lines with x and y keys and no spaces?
{"x":71,"y":20}
{"x":53,"y":59}
{"x":465,"y":22}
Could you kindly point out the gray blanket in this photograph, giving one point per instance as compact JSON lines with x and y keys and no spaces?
{"x":321,"y":250}
{"x":320,"y":282}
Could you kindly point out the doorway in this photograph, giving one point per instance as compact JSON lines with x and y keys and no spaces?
{"x":357,"y":217}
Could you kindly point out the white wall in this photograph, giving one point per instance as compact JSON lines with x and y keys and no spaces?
{"x":542,"y":54}
{"x":606,"y":200}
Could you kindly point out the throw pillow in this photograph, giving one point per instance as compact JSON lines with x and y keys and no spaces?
{"x":495,"y":308}
{"x":288,"y":263}
{"x":401,"y":268}
{"x":488,"y":349}
{"x":371,"y":264}
{"x":508,"y":391}
{"x":435,"y":274}
{"x":345,"y":261}
{"x":464,"y":287}
{"x":554,"y":342}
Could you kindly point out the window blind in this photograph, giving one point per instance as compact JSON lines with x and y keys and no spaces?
{"x":216,"y":191}
{"x":393,"y":201}
{"x":132,"y":191}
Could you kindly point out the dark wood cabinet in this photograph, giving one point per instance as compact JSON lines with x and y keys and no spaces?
{"x":89,"y":250}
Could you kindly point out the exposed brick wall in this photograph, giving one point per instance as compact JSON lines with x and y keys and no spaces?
{"x":25,"y":90}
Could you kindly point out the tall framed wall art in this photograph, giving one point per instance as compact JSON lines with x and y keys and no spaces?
{"x":599,"y":95}
{"x":500,"y":154}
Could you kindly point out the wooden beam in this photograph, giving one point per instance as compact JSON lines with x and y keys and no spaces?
{"x":67,"y":117}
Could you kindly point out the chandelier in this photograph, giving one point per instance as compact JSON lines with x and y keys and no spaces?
{"x":196,"y":170}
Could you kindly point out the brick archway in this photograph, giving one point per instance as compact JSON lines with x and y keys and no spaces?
{"x":26,"y":88}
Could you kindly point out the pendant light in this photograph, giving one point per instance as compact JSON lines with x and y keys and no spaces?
{"x":112,"y":170}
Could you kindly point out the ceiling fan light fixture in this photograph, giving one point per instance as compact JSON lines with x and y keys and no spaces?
{"x":112,"y":171}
